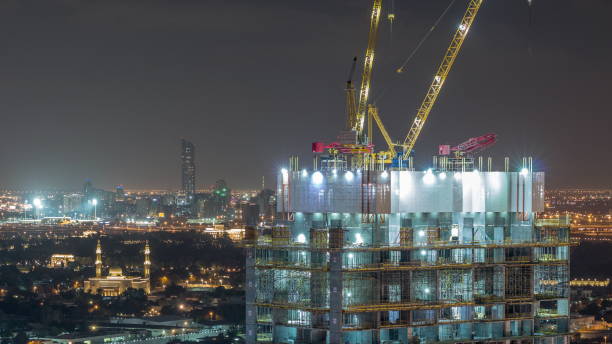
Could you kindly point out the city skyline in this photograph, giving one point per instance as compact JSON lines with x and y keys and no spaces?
{"x":367,"y":171}
{"x":144,"y":76}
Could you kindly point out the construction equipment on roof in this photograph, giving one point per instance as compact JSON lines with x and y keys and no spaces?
{"x":434,"y":90}
{"x":355,"y":141}
{"x":469,"y":147}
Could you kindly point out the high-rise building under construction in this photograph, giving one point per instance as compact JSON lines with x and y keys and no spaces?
{"x":367,"y":249}
{"x":394,"y":255}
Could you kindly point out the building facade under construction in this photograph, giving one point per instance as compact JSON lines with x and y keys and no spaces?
{"x":375,"y":254}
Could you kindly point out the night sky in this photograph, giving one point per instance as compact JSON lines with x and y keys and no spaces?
{"x":105,"y":89}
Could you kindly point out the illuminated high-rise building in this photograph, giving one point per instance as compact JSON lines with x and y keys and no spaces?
{"x":188,"y":169}
{"x":391,"y":254}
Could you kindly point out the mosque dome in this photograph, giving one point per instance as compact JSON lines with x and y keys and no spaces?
{"x":115,"y":272}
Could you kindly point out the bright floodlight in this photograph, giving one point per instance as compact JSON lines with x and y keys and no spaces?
{"x":94,"y":201}
{"x":317,"y":178}
{"x":37,"y":202}
{"x":348,"y":176}
{"x":358,"y":239}
{"x":384,"y":174}
{"x":524,"y":171}
{"x":285,"y":175}
{"x":429,"y":178}
{"x":421,"y":233}
{"x":301,"y":238}
{"x":442,"y":175}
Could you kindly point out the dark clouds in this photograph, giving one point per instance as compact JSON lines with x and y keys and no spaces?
{"x":105,"y":89}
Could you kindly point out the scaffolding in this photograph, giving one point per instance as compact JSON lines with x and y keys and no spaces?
{"x":357,"y":256}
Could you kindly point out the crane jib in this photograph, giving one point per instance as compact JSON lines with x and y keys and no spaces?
{"x":440,"y":76}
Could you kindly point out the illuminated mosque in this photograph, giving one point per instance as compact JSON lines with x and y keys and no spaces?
{"x":116,"y":283}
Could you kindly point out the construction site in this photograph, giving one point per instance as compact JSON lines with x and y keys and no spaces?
{"x":368,"y":249}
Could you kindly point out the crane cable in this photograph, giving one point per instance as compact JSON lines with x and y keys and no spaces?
{"x":401,"y":68}
{"x":391,"y":18}
{"x":530,"y":28}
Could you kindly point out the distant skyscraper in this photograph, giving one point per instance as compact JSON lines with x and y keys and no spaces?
{"x":188,"y":168}
{"x":87,"y":188}
{"x":119,"y":191}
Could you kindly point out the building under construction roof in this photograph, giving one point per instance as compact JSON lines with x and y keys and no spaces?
{"x":373,"y":254}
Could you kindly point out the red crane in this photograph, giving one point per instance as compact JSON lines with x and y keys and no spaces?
{"x":469,"y":147}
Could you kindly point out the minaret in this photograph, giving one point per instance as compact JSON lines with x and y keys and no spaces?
{"x":98,"y":260}
{"x":147,"y":261}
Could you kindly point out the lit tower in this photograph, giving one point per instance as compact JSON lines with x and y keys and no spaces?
{"x":98,"y":260}
{"x":147,"y":262}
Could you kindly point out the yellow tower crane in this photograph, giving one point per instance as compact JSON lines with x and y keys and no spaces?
{"x":440,"y":77}
{"x":388,"y":155}
{"x":357,"y":114}
{"x":358,"y":119}
{"x":351,"y":102}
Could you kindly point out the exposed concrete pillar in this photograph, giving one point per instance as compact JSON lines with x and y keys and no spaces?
{"x":335,"y":297}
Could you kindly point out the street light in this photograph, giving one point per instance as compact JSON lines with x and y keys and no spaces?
{"x":95,"y":204}
{"x":25,"y":209}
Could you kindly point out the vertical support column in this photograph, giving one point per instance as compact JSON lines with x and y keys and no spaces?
{"x":335,"y":297}
{"x":437,"y":296}
{"x":251,"y":309}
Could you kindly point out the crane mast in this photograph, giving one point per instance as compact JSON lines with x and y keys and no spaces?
{"x":366,"y":76}
{"x":351,"y":103}
{"x":440,"y":77}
